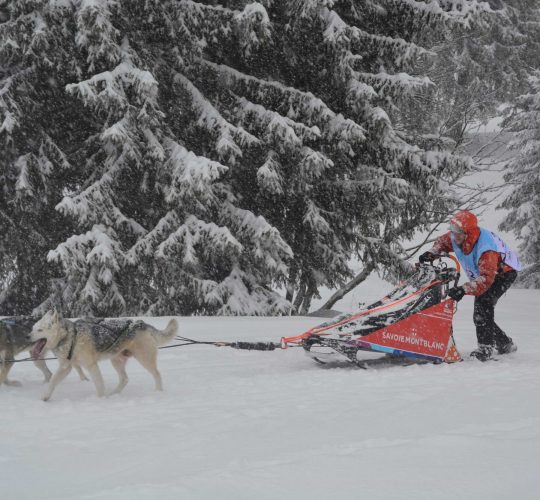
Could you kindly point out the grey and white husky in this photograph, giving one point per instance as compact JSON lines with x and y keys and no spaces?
{"x":14,"y":339}
{"x":86,"y":342}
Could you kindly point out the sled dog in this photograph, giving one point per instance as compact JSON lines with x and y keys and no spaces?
{"x":14,"y":339}
{"x":86,"y":342}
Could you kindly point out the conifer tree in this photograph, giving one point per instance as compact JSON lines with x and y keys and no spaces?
{"x":38,"y":124}
{"x":524,"y":176}
{"x":158,"y":228}
{"x":370,"y":182}
{"x":479,"y":65}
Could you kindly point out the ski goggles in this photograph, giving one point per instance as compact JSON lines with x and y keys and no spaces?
{"x":455,"y":229}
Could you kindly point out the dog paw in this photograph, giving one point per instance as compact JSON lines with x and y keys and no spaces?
{"x":45,"y":398}
{"x":13,"y":383}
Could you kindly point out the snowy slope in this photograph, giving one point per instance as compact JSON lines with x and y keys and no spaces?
{"x":273,"y":425}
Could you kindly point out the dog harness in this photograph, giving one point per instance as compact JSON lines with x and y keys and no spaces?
{"x":105,"y":333}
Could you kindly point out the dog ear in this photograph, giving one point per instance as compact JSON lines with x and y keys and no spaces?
{"x":55,"y":316}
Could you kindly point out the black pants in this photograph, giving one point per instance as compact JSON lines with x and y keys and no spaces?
{"x":487,"y":331}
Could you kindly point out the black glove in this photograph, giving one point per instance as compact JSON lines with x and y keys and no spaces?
{"x":427,"y":257}
{"x":456,"y":293}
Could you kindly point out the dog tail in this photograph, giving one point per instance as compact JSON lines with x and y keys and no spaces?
{"x":164,"y":336}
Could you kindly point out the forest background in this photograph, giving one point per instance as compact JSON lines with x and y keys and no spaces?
{"x":182,"y":157}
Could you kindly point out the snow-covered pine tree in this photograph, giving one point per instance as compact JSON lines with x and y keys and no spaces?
{"x":524,"y":176}
{"x":38,"y":126}
{"x":196,"y":249}
{"x":323,"y":94}
{"x":479,"y":65}
{"x":157,"y":232}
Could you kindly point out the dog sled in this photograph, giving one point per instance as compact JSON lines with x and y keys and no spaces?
{"x":410,"y":325}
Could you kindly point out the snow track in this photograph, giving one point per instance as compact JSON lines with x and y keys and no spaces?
{"x":274,"y":425}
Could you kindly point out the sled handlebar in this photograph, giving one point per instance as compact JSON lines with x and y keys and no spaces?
{"x":452,"y":258}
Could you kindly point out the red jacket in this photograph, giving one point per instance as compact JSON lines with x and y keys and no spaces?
{"x":489,"y":264}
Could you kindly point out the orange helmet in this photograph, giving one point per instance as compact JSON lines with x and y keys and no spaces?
{"x":464,"y":222}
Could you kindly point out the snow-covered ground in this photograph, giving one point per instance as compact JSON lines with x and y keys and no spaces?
{"x":273,"y":425}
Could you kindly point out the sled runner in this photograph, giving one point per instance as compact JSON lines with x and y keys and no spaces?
{"x":412,"y":324}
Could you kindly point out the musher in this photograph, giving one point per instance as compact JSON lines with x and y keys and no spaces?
{"x":491,"y":267}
